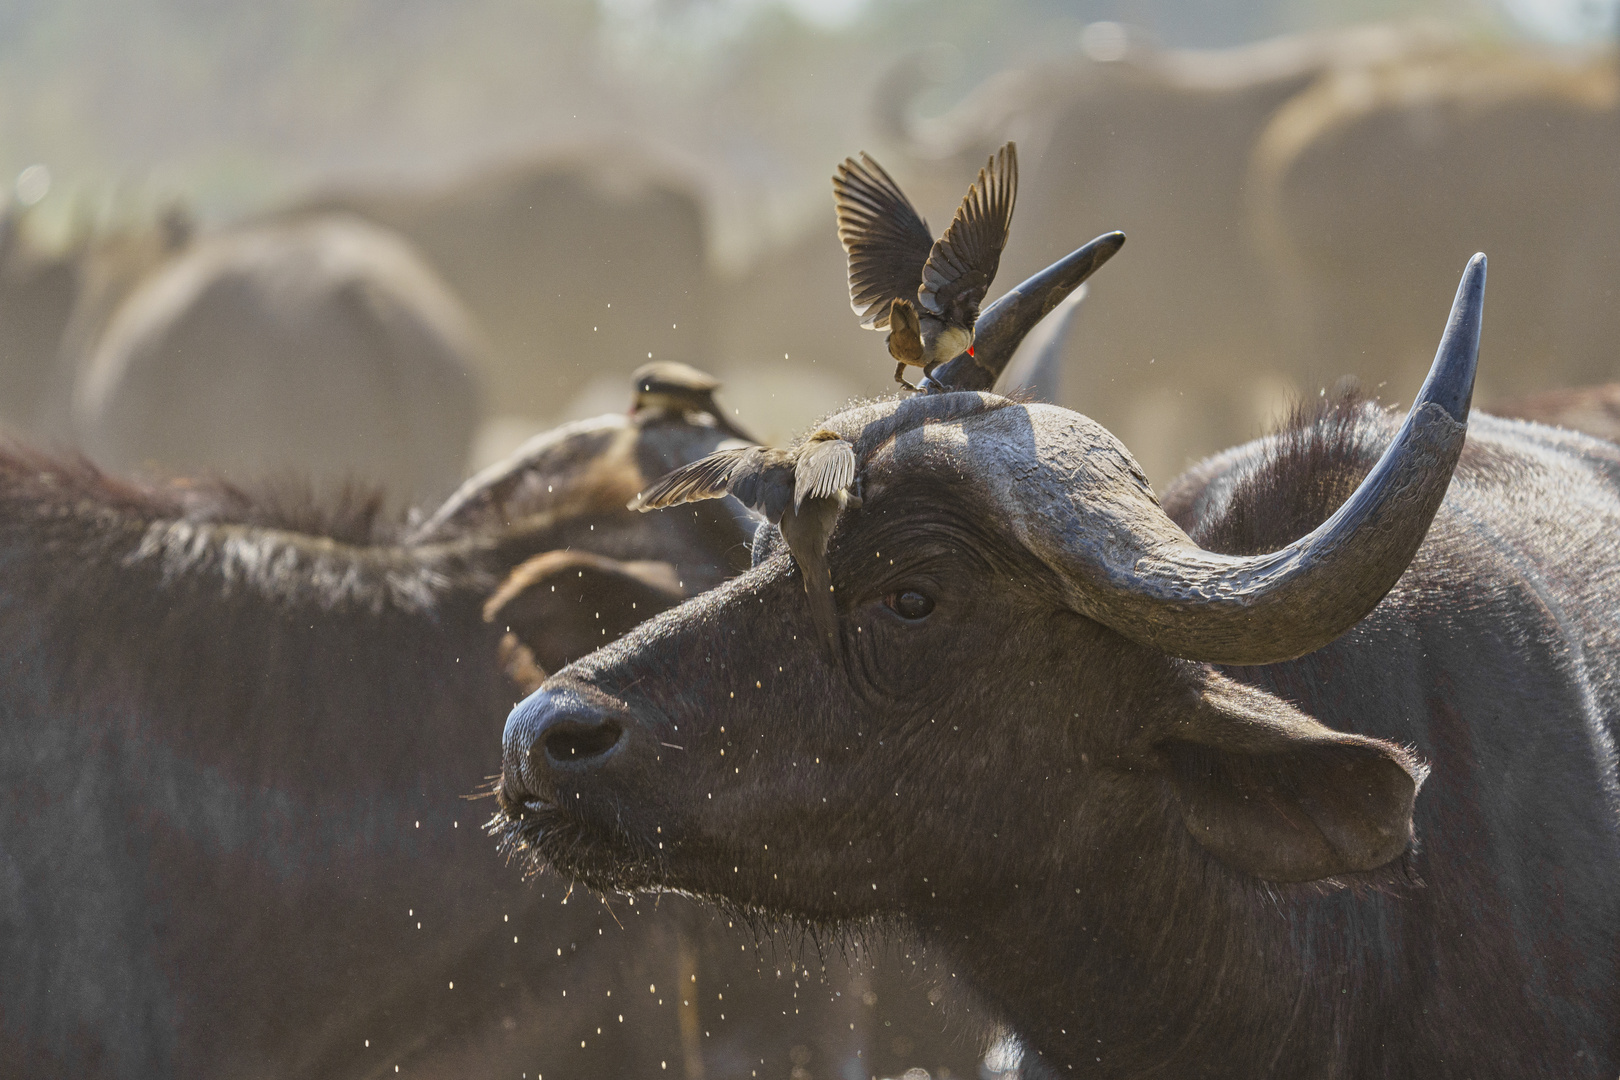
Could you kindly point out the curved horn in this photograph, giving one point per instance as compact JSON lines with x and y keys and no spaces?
{"x":1003,"y":324}
{"x":1129,"y":567}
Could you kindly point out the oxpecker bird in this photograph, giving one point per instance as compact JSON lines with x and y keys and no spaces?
{"x":802,"y":489}
{"x":925,"y":292}
{"x":665,"y":388}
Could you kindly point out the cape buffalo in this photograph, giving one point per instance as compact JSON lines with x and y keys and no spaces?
{"x":312,"y":347}
{"x":1152,"y":795}
{"x":221,"y":854}
{"x":1525,"y":144}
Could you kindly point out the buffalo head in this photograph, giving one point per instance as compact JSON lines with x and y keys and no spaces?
{"x":1019,"y":699}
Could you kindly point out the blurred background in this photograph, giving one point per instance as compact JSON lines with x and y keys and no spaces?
{"x":213,"y":207}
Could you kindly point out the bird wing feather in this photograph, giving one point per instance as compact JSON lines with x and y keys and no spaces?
{"x":824,"y":468}
{"x":886,"y":240}
{"x":963,"y":262}
{"x":708,"y":478}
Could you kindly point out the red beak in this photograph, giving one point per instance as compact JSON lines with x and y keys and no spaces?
{"x":970,"y":350}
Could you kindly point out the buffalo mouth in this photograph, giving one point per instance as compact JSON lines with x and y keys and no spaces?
{"x":540,"y":833}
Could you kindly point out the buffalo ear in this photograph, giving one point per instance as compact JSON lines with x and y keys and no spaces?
{"x":1274,"y":793}
{"x":565,"y":604}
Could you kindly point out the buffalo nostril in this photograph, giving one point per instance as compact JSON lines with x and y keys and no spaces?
{"x":576,"y":742}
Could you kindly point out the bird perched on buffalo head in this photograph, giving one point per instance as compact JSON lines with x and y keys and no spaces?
{"x":925,"y":292}
{"x":665,"y":388}
{"x":802,"y":489}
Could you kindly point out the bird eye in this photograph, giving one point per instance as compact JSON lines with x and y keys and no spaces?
{"x":910,"y":605}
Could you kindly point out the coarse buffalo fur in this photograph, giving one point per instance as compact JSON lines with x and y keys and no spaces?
{"x":238,"y":731}
{"x":1145,"y":865}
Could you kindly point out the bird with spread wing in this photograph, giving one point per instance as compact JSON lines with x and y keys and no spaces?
{"x":802,"y":489}
{"x":925,"y":292}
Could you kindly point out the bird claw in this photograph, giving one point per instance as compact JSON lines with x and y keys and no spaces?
{"x":900,"y":377}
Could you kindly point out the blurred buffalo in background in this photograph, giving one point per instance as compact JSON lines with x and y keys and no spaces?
{"x":1370,"y":182}
{"x":1275,"y":193}
{"x":578,"y":265}
{"x":324,"y":346}
{"x":1592,"y":409}
{"x":56,"y":294}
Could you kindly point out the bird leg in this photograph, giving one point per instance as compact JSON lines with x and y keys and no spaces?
{"x":900,"y":377}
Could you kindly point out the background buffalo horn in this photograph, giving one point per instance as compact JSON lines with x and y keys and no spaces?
{"x":1036,"y":371}
{"x":1003,"y":324}
{"x":1129,"y":567}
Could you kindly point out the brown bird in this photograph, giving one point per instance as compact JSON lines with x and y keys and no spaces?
{"x":802,"y":489}
{"x":665,"y":388}
{"x":925,"y":292}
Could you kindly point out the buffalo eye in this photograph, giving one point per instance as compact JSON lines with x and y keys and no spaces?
{"x":910,"y":604}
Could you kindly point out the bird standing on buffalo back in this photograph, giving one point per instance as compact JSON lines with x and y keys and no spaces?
{"x":802,"y":489}
{"x":925,"y":292}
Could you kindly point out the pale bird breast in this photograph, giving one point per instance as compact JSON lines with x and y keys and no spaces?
{"x":949,"y":342}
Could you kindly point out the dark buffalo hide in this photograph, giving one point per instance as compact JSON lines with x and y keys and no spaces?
{"x":1146,"y":866}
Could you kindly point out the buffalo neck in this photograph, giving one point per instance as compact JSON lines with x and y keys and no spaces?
{"x":1176,"y":966}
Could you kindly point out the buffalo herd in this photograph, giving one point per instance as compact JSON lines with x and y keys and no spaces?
{"x":1276,"y":192}
{"x":970,"y":732}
